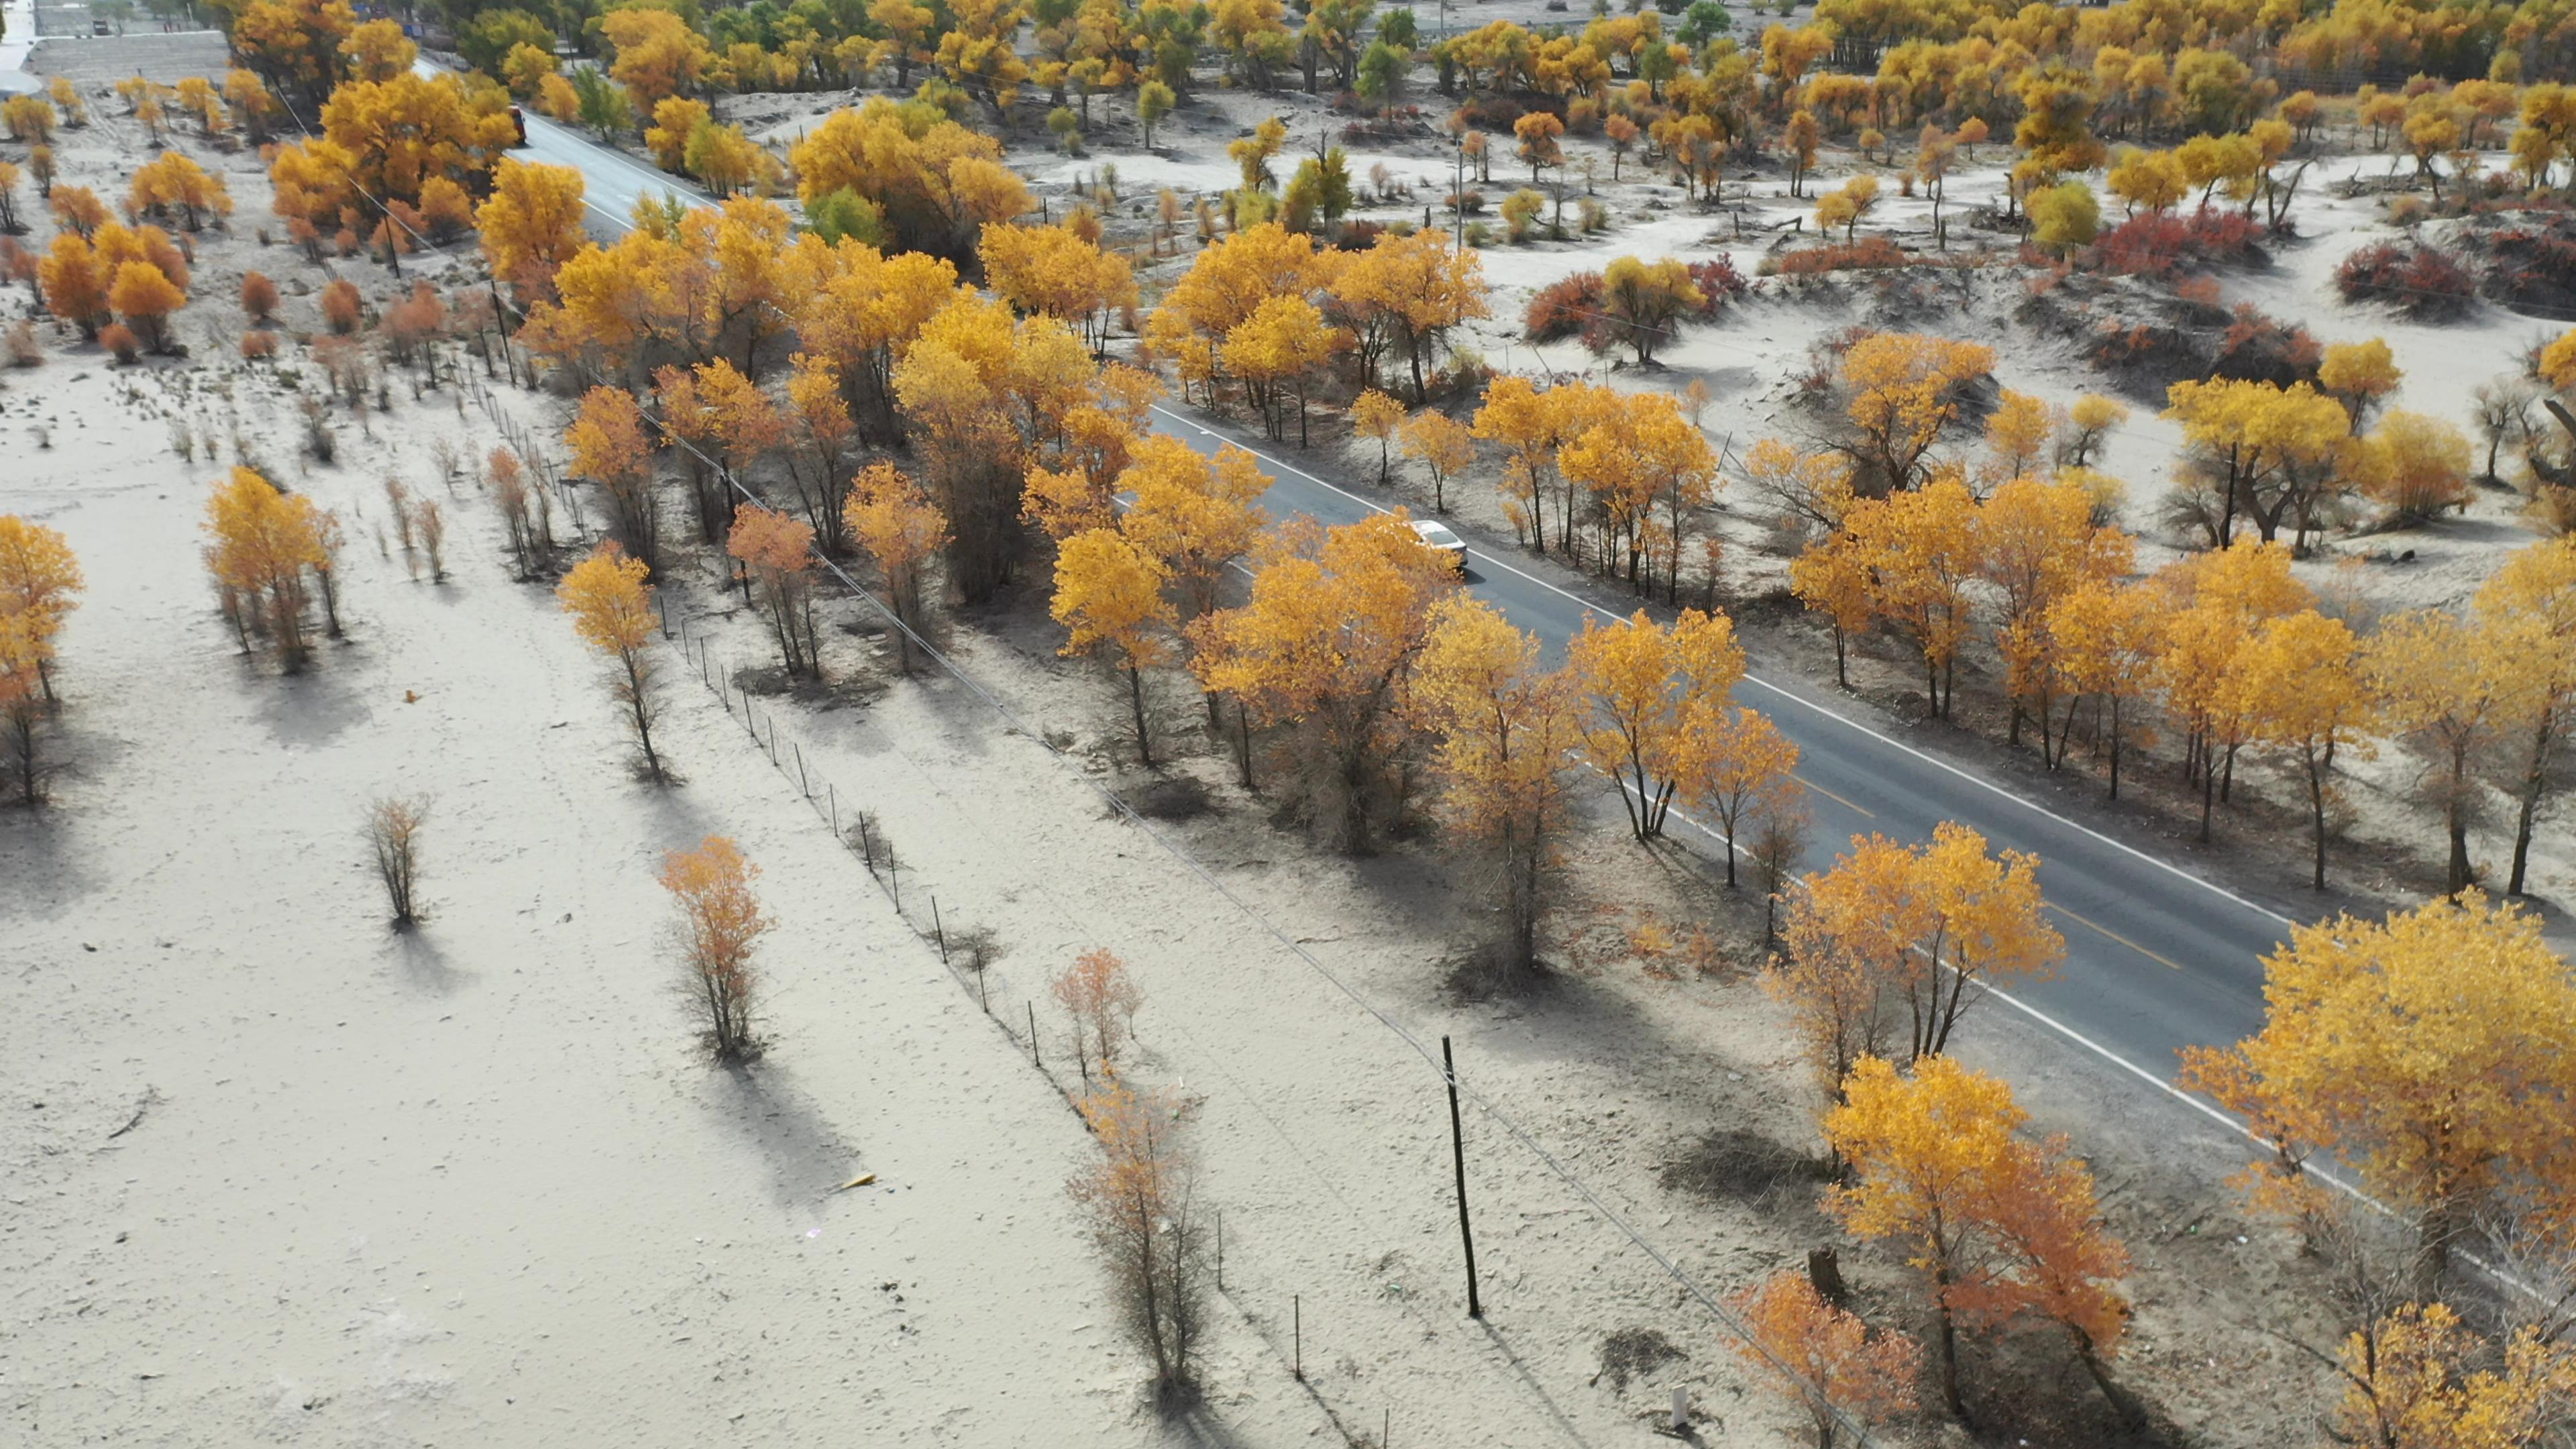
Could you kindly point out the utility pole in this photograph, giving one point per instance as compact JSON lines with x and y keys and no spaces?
{"x":1458,"y":1157}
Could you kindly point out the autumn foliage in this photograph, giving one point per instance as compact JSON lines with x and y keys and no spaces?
{"x":1319,"y":653}
{"x":720,"y":924}
{"x":2000,"y":1226}
{"x":263,"y":548}
{"x":1807,"y":1350}
{"x":612,"y":610}
{"x":2434,"y":1052}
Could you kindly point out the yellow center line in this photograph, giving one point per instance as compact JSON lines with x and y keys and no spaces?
{"x":1830,"y":795}
{"x":2116,"y":936}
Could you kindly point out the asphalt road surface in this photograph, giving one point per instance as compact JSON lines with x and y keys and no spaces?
{"x":2157,"y":957}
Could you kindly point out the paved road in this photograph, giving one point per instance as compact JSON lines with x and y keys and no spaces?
{"x":2157,"y":956}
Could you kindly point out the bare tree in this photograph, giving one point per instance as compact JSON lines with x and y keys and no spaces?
{"x":393,"y":829}
{"x":429,"y":521}
{"x":2503,"y":412}
{"x":1141,"y":1207}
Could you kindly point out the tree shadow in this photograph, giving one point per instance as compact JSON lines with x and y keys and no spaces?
{"x":807,"y":1155}
{"x":310,"y":709}
{"x":1196,"y":1426}
{"x":424,"y":963}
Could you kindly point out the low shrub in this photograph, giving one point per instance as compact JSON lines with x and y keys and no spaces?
{"x":1497,"y":113}
{"x":2161,"y":242}
{"x":1867,"y":254}
{"x":1719,"y":282}
{"x":118,"y":338}
{"x":1563,"y":308}
{"x":2261,"y":348}
{"x":257,"y":345}
{"x":2423,"y":282}
{"x":2531,"y":265}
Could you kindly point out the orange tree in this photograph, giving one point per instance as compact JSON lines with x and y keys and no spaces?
{"x":2000,"y":1226}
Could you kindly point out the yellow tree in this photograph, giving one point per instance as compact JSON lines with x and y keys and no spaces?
{"x":2017,"y":436}
{"x":1852,"y":935}
{"x":1922,"y":1151}
{"x":1376,"y":416}
{"x":1642,"y":304}
{"x":2422,"y":466}
{"x":2528,"y":607}
{"x":721,"y":922}
{"x":2260,"y":451}
{"x":1921,"y":550}
{"x":1640,"y":455}
{"x":1933,"y":925}
{"x":1403,"y":296}
{"x":1102,"y":999}
{"x":2435,"y":1052}
{"x":1832,"y":577}
{"x":1745,"y":771}
{"x":260,"y":544}
{"x":1109,"y":595}
{"x":2107,"y":641}
{"x":39,"y":582}
{"x":2447,"y":684}
{"x":145,"y":298}
{"x":531,"y":225}
{"x":2413,"y":1380}
{"x":820,"y":429}
{"x":657,"y":54}
{"x":1323,"y":648}
{"x":23,"y":708}
{"x":1192,"y":515}
{"x":1053,"y":270}
{"x":2036,"y":542}
{"x":612,"y":610}
{"x":1141,"y":1208}
{"x":1648,"y":691}
{"x":2300,"y":685}
{"x":2090,"y":419}
{"x":1443,"y":446}
{"x":1276,"y":352}
{"x":896,"y":524}
{"x":954,"y":386}
{"x":1502,"y":729}
{"x":1904,"y":389}
{"x":1807,"y":1350}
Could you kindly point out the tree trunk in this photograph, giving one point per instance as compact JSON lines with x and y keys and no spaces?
{"x":1136,"y":697}
{"x":2317,"y":808}
{"x":1949,"y":1342}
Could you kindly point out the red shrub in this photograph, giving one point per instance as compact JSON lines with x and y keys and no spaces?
{"x":1563,"y":308}
{"x":1869,"y":253}
{"x":2161,"y":242}
{"x":2423,"y":282}
{"x":1719,"y":282}
{"x":2258,"y":348}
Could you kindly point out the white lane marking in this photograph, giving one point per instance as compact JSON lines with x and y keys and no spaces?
{"x":1487,"y":558}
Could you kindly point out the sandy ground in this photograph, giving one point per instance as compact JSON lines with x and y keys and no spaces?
{"x":475,"y":1184}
